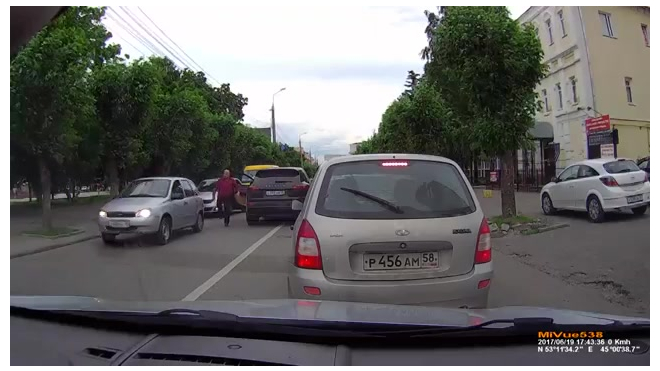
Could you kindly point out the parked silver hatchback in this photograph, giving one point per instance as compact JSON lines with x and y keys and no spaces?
{"x":393,"y":229}
{"x":154,"y":206}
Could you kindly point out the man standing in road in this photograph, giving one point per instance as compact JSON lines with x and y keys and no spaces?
{"x":226,"y":189}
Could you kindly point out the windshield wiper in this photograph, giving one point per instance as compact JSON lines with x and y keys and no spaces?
{"x":391,"y":206}
{"x":143,"y":195}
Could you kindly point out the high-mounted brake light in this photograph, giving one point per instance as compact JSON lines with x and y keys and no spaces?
{"x":394,"y":163}
{"x":308,"y":251}
{"x":483,"y":253}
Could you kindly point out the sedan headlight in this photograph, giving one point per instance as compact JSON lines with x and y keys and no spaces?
{"x":145,"y":213}
{"x":103,"y":214}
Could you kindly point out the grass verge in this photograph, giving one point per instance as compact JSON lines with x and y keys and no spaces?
{"x":57,"y":232}
{"x":518,"y":219}
{"x":62,"y":202}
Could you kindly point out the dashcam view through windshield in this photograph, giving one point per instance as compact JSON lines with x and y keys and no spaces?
{"x":334,"y":173}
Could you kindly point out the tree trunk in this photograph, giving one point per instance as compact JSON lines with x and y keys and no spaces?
{"x":29,"y":192}
{"x":507,"y":184}
{"x":113,"y":176}
{"x":44,"y":175}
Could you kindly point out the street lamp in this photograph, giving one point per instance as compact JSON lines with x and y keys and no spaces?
{"x":300,"y":147}
{"x":272,"y":115}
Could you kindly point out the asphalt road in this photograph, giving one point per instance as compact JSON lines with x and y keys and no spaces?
{"x":247,"y":263}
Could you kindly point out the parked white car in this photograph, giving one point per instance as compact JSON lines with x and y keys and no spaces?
{"x":598,"y":186}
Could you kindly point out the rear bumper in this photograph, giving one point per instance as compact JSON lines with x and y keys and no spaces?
{"x":621,"y":203}
{"x":271,"y":208}
{"x":136,"y":225}
{"x":455,"y":292}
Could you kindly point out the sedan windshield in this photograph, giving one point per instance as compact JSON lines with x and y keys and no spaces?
{"x":147,"y":188}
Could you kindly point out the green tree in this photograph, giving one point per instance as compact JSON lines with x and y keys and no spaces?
{"x":486,"y":67}
{"x":125,"y":96}
{"x":50,"y":99}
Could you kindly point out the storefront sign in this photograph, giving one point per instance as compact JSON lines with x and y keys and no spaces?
{"x":607,"y":150}
{"x":594,"y":124}
{"x":599,"y":138}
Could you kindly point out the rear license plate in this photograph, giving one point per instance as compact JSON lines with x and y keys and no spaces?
{"x":386,"y":262}
{"x":119,"y":223}
{"x":274,"y":193}
{"x":635,"y":198}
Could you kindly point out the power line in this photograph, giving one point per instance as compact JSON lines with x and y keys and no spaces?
{"x":133,"y":46}
{"x":136,"y":34}
{"x":177,"y":45}
{"x":156,"y":38}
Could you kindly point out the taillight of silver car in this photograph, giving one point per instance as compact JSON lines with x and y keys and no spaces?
{"x":483,"y":253}
{"x":308,"y":250}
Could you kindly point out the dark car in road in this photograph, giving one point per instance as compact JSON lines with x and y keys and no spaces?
{"x":273,"y":190}
{"x":645,"y":164}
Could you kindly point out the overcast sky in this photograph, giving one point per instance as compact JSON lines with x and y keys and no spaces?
{"x":341,"y":66}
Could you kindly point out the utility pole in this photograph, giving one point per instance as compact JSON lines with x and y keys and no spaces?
{"x":272,"y":117}
{"x":300,"y":148}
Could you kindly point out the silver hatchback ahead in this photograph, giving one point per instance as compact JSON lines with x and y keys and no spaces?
{"x":154,"y":206}
{"x":393,"y":229}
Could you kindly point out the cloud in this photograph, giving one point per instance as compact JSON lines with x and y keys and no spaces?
{"x":341,"y":65}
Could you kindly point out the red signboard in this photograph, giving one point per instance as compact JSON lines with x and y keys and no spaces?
{"x":594,"y":124}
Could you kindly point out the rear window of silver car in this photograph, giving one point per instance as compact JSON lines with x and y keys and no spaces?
{"x":620,"y":166}
{"x":420,"y":189}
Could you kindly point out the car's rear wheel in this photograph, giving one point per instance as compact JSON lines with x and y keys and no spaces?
{"x":546,"y":205}
{"x":199,"y":224}
{"x":595,"y":210}
{"x":640,"y":210}
{"x":108,"y":238}
{"x":164,"y":231}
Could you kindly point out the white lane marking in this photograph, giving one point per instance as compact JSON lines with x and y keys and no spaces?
{"x":196,"y":293}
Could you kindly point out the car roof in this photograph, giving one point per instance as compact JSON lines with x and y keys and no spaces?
{"x":281,"y":168}
{"x":601,"y":161}
{"x":388,"y":156}
{"x":162,"y":178}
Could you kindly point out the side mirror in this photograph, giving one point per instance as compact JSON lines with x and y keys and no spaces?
{"x":555,"y":179}
{"x":177,"y":196}
{"x":296,"y":205}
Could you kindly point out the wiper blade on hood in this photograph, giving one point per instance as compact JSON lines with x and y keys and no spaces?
{"x":389,"y":205}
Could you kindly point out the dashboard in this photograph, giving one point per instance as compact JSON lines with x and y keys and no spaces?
{"x":39,"y":342}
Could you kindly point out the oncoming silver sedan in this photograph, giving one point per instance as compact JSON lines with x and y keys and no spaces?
{"x":153,"y":206}
{"x":393,"y":229}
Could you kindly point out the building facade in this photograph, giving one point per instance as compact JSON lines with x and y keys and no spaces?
{"x":598,"y":64}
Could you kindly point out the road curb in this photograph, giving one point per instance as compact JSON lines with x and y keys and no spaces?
{"x":52,"y":247}
{"x":553,"y":227}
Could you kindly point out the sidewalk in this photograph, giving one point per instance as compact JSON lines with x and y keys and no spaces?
{"x":527,"y":203}
{"x":80,"y":217}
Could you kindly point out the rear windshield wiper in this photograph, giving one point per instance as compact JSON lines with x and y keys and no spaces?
{"x":391,"y":206}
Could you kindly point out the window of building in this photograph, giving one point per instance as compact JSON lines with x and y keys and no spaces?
{"x":546,"y":106}
{"x":559,"y":96}
{"x":606,"y":24}
{"x":561,"y":22}
{"x":574,"y":93}
{"x":645,"y":32}
{"x":628,"y":82}
{"x":548,"y":25}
